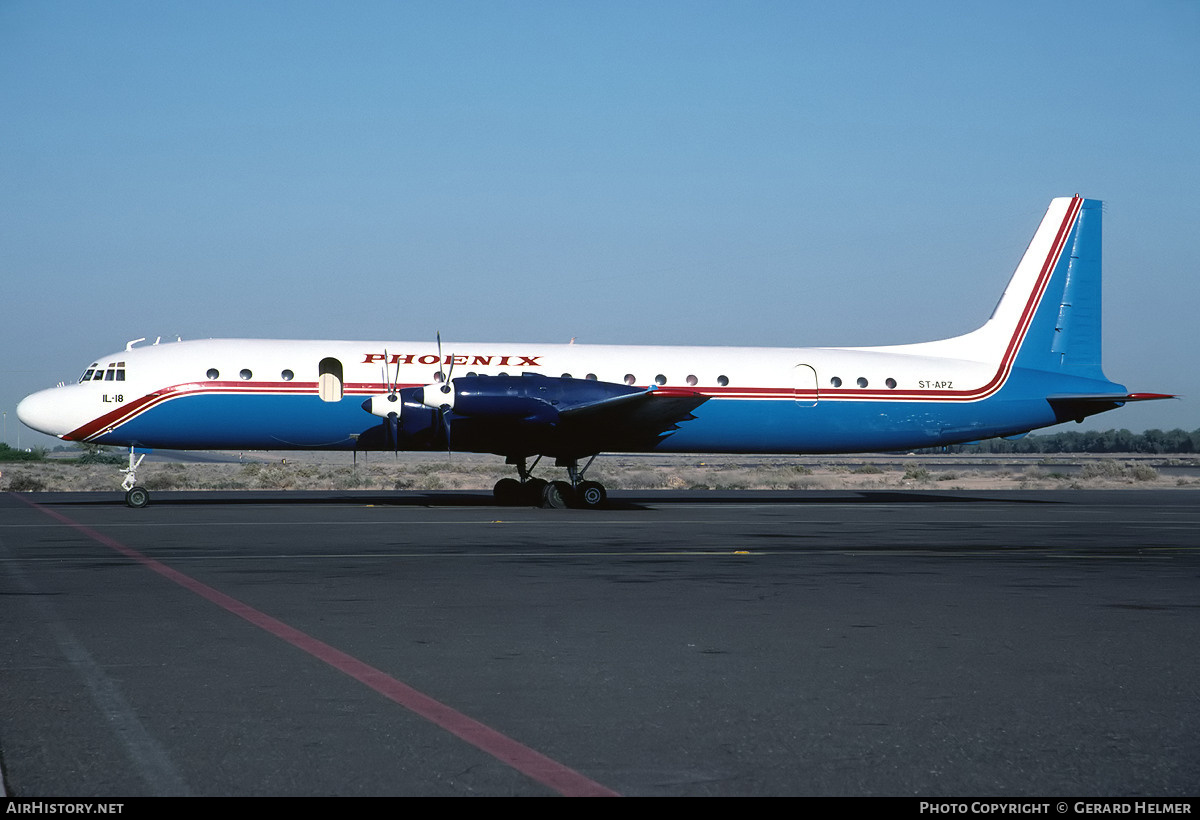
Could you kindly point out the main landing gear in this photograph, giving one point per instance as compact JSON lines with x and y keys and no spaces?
{"x":537,"y":492}
{"x":135,"y":496}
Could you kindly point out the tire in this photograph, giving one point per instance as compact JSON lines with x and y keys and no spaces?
{"x":137,"y":497}
{"x":592,"y":495}
{"x":556,"y":495}
{"x":507,"y":492}
{"x":531,"y":492}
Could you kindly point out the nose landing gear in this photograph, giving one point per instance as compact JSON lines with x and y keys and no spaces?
{"x":135,"y":496}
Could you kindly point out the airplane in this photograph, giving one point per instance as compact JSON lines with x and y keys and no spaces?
{"x":1034,"y":363}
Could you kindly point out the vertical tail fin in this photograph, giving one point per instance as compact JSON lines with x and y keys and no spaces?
{"x":1047,"y":324}
{"x":1048,"y":318}
{"x":1063,"y":335}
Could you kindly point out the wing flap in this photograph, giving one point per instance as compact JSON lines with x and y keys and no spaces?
{"x":635,"y":421}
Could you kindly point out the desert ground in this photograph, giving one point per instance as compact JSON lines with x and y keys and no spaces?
{"x":440,"y":471}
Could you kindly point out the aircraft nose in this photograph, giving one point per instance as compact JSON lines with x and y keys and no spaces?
{"x":44,"y":411}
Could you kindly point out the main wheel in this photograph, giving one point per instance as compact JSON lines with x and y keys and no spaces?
{"x":531,"y":492}
{"x":507,"y":492}
{"x":137,"y":497}
{"x":556,"y":495}
{"x":592,"y":494}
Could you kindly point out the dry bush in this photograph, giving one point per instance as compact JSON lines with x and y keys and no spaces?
{"x":917,"y":473}
{"x":25,"y":483}
{"x":1111,"y":470}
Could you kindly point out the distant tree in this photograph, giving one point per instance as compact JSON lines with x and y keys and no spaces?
{"x":1153,"y":442}
{"x":11,"y":454}
{"x":98,"y":454}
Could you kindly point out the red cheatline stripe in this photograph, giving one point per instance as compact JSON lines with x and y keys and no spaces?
{"x":534,"y":765}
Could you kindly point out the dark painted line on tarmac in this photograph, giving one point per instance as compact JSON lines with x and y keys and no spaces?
{"x":532,"y":764}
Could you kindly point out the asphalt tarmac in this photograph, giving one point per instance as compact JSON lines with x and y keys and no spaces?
{"x":814,"y":643}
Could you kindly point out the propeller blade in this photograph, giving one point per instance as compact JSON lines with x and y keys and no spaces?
{"x":392,"y":384}
{"x":445,"y":429}
{"x":393,"y":424}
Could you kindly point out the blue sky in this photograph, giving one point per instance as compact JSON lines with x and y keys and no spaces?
{"x":763,"y":173}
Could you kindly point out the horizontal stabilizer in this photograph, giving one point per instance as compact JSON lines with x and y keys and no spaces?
{"x":1079,"y":406}
{"x":1111,"y":397}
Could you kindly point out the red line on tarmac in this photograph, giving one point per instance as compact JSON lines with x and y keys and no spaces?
{"x":550,"y":773}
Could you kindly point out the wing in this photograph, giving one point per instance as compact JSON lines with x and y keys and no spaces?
{"x":530,"y":414}
{"x":637,"y":421}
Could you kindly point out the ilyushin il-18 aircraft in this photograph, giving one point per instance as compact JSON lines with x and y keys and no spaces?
{"x":1034,"y":363}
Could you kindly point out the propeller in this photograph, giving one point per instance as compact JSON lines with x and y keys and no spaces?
{"x":393,"y":397}
{"x":388,"y":405}
{"x":439,"y":396}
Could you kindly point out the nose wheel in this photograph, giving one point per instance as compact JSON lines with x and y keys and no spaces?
{"x":137,"y":497}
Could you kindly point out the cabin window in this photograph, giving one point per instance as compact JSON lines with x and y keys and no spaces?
{"x":630,"y":379}
{"x":287,"y":375}
{"x":660,"y":379}
{"x":836,"y":381}
{"x":862,"y":382}
{"x":891,"y":383}
{"x":591,"y":377}
{"x":566,"y":375}
{"x":692,"y":380}
{"x":245,"y":374}
{"x":723,"y":381}
{"x":329,"y":383}
{"x":213,"y":374}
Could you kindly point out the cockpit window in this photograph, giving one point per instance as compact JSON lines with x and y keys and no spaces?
{"x":115,"y":371}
